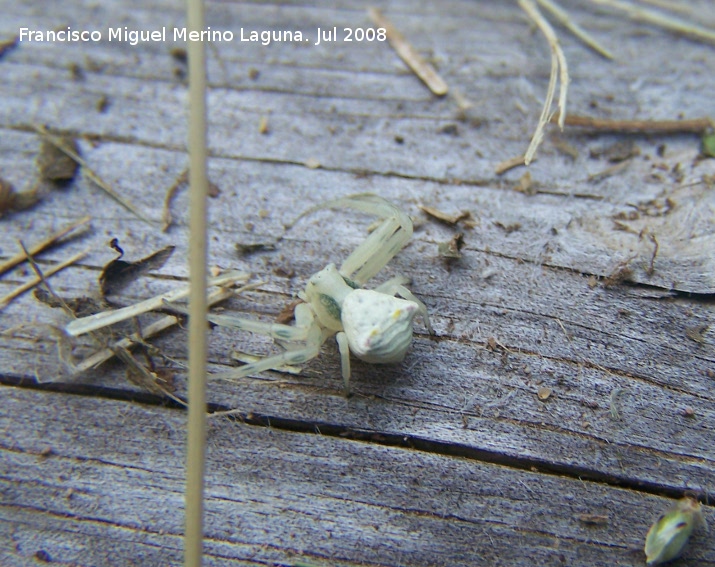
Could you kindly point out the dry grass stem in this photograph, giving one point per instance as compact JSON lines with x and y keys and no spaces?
{"x":96,"y":179}
{"x":43,"y":245}
{"x":105,"y":318}
{"x":665,"y":21}
{"x":668,"y":5}
{"x":149,"y":331}
{"x":5,"y":301}
{"x":409,"y":55}
{"x":558,"y":68}
{"x":565,"y":20}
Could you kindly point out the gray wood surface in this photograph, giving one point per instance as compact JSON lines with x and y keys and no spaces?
{"x":450,"y":458}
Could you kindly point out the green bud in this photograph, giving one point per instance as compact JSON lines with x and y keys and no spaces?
{"x":669,"y":534}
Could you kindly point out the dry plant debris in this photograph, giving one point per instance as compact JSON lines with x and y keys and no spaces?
{"x":510,"y":163}
{"x":409,"y":54}
{"x":5,"y":301}
{"x":564,"y":19}
{"x":697,"y":333}
{"x":118,"y":273}
{"x":100,"y":320}
{"x":445,"y":217}
{"x":544,"y":393}
{"x":43,"y":245}
{"x":11,"y":200}
{"x":695,"y":125}
{"x":609,"y":171}
{"x":245,"y":248}
{"x":665,"y":21}
{"x":147,"y":332}
{"x":54,"y":162}
{"x":183,"y":179}
{"x":142,"y":376}
{"x":559,"y":68}
{"x":593,"y":519}
{"x":452,"y":249}
{"x":60,"y":143}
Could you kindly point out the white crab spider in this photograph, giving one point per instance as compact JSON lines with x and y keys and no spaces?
{"x":374,"y":324}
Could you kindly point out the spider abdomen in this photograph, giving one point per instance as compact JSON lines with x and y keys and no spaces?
{"x":378,"y":326}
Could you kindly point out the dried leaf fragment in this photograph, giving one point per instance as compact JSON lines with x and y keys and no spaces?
{"x":526,"y":184}
{"x":11,"y":200}
{"x":697,"y":334}
{"x":445,"y":217}
{"x":452,"y":248}
{"x":118,"y":273}
{"x":54,"y":163}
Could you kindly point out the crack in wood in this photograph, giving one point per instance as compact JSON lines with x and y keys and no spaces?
{"x":383,"y":438}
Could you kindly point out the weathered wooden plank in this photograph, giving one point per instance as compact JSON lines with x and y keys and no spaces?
{"x":585,"y":343}
{"x":342,"y":125}
{"x":275,"y":497}
{"x":523,"y":280}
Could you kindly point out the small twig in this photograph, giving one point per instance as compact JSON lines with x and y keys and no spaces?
{"x":166,"y":217}
{"x":665,"y":21}
{"x":558,"y":67}
{"x":564,"y":19}
{"x":5,"y":301}
{"x":92,"y":175}
{"x":42,"y":246}
{"x":409,"y":55}
{"x":695,"y":125}
{"x":651,"y":267}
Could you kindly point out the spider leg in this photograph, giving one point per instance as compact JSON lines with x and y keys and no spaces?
{"x":396,"y":286}
{"x":310,"y":331}
{"x":344,"y":349}
{"x":276,"y":331}
{"x":377,"y":249}
{"x":382,"y":244}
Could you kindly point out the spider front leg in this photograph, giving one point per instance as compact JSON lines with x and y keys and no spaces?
{"x":307,"y":331}
{"x":382,"y":244}
{"x":396,"y":286}
{"x":344,"y":348}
